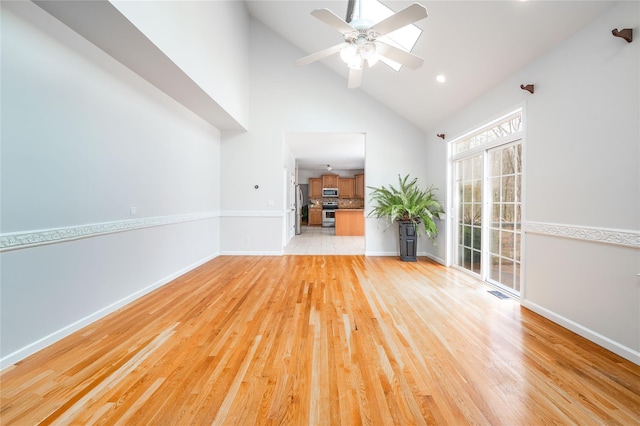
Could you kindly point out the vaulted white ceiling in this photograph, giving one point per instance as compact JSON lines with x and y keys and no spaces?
{"x":475,"y":44}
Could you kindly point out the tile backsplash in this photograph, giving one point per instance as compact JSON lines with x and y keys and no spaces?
{"x":343,"y":203}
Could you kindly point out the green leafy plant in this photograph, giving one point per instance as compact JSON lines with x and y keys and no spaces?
{"x":408,"y":202}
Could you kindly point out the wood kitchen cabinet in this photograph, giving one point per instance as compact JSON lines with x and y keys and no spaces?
{"x":315,"y":216}
{"x":359,"y":186}
{"x":315,"y":188}
{"x":329,"y":181}
{"x":346,"y":187}
{"x":350,"y":222}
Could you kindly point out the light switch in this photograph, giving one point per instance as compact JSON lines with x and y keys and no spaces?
{"x":133,"y":211}
{"x":271,"y":203}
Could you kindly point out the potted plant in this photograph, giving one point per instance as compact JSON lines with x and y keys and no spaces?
{"x":414,"y":209}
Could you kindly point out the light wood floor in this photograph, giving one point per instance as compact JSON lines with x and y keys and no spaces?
{"x":322,"y":340}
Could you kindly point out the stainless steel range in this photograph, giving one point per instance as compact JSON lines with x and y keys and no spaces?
{"x":329,"y":213}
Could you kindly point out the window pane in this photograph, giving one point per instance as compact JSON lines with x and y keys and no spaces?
{"x":467,"y":258}
{"x":477,"y":262}
{"x":508,"y":189}
{"x":477,"y":213}
{"x":508,"y":161}
{"x":495,"y":159}
{"x":477,"y":190}
{"x":495,"y":242}
{"x":467,"y":236}
{"x":476,"y":237}
{"x":507,"y":214}
{"x":494,"y":268}
{"x":468,"y":213}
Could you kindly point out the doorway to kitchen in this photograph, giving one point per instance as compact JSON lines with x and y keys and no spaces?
{"x":487,"y":202}
{"x":330,"y":166}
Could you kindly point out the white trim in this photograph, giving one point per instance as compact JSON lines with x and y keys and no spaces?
{"x":42,"y":343}
{"x":605,"y":342}
{"x":504,"y":140}
{"x":252,"y":253}
{"x":487,"y":124}
{"x":381,"y":253}
{"x":626,"y":238}
{"x":434,"y":258}
{"x":252,"y":213}
{"x":34,"y":238}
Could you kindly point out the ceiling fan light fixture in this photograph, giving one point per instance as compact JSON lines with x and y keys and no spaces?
{"x":356,"y":53}
{"x":370,"y":53}
{"x":348,"y":53}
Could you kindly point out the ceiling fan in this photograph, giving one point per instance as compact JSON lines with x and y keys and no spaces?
{"x":365,"y":41}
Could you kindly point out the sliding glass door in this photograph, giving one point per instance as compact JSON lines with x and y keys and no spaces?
{"x":487,"y":182}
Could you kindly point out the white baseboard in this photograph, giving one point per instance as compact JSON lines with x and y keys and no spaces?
{"x":605,"y":342}
{"x":381,"y":253}
{"x":251,"y":253}
{"x":434,"y":258}
{"x":395,"y":253}
{"x":42,"y":343}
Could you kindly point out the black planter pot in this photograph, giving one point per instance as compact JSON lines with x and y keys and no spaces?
{"x":408,"y":240}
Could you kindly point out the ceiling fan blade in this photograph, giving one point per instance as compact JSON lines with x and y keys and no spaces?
{"x":398,"y":55}
{"x":321,"y":54}
{"x":333,"y":20}
{"x":406,"y":16}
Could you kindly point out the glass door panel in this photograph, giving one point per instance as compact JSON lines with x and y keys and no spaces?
{"x":468,"y":181}
{"x":504,"y":227}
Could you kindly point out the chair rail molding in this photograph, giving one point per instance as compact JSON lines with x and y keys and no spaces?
{"x":27,"y":239}
{"x":253,"y":213}
{"x":626,"y":238}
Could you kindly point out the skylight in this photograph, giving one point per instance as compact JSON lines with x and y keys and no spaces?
{"x":404,"y":38}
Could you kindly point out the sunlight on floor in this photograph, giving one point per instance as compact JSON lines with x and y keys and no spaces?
{"x":318,"y":240}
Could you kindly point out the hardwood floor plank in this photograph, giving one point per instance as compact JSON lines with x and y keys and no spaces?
{"x":322,"y":340}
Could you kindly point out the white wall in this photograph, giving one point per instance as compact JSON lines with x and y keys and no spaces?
{"x":393,"y":145}
{"x":207,"y":40}
{"x":582,"y":146}
{"x":83,"y":140}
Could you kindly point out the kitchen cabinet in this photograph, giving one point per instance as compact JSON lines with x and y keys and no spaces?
{"x":359,"y":186}
{"x":315,"y":188}
{"x":329,"y":181}
{"x":346,"y":187}
{"x":315,"y":216}
{"x":350,"y":222}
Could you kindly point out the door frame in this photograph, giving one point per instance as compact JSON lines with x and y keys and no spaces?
{"x":451,"y":208}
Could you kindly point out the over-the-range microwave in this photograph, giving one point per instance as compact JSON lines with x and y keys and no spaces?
{"x":329,"y":192}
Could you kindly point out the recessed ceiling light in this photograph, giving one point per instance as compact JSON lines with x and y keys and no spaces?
{"x":440,"y":78}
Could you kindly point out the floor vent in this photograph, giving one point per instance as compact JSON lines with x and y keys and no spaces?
{"x":498,"y":294}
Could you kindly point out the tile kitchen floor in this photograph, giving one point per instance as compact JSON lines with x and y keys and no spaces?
{"x":319,"y":240}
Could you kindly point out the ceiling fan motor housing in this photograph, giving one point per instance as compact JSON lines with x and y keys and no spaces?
{"x":361,"y":45}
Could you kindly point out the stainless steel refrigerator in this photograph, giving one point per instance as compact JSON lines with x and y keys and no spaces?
{"x":299,"y":201}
